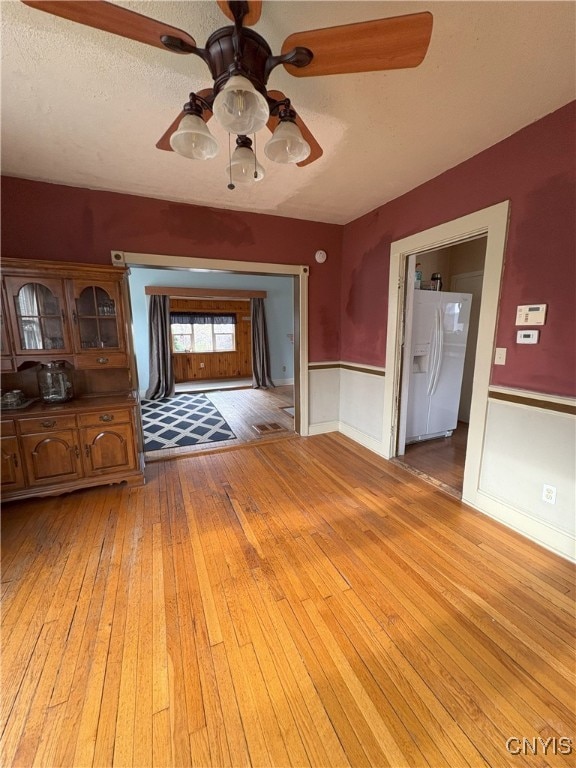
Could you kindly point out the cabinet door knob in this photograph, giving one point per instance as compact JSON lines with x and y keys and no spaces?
{"x":77,"y":451}
{"x":48,"y":424}
{"x":103,"y":360}
{"x":15,"y":459}
{"x":87,"y":450}
{"x":106,"y":417}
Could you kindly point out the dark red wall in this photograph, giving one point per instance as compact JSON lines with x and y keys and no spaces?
{"x":536,"y":170}
{"x":50,"y":221}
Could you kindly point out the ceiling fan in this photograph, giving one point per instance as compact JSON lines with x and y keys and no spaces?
{"x":241,"y":61}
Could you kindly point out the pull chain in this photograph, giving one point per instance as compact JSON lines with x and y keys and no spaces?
{"x":230,"y":185}
{"x":255,"y":160}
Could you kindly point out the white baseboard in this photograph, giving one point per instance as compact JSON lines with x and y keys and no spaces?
{"x":282,"y":382}
{"x":323,"y":427}
{"x":548,"y":536}
{"x":363,"y":439}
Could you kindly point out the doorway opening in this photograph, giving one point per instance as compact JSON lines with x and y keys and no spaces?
{"x":212,"y":338}
{"x":491,"y":223}
{"x":433,"y":428}
{"x":287,"y":403}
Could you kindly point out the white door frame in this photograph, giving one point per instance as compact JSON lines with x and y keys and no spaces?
{"x":492,"y":222}
{"x":299,"y":272}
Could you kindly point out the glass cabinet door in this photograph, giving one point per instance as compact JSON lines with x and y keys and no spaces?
{"x":96,"y":316}
{"x":6,"y":351}
{"x":38,"y":316}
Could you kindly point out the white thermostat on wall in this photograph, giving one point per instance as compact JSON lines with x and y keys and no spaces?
{"x":531,"y":314}
{"x":527,"y":337}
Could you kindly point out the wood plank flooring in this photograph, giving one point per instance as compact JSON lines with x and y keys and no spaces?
{"x":292,"y":603}
{"x":243,"y":409}
{"x":440,"y":460}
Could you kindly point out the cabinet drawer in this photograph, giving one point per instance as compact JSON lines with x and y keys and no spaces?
{"x":47,"y":424}
{"x":101,"y":359}
{"x":103,"y":418}
{"x":7,"y":429}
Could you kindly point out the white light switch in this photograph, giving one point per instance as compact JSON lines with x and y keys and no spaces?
{"x":500,"y":356}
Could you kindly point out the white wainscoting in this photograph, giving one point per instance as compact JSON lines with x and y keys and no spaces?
{"x":349,"y":399}
{"x":324,"y":398}
{"x":362,"y":406}
{"x":525,"y":446}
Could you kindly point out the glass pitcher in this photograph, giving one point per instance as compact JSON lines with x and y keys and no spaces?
{"x":55,"y":382}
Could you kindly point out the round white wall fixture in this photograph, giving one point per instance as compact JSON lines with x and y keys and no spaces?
{"x":320,"y":256}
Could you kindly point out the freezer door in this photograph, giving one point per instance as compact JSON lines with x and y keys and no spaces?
{"x":422,"y":352}
{"x":418,"y":405}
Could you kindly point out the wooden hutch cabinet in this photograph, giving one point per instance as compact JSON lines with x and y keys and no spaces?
{"x":72,"y":313}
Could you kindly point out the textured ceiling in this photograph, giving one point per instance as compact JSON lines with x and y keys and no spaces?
{"x":86,"y":108}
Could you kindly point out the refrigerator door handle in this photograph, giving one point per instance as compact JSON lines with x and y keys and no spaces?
{"x":440,"y":350}
{"x":434,"y":355}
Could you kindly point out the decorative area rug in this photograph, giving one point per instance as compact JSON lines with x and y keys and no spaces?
{"x":173,"y":422}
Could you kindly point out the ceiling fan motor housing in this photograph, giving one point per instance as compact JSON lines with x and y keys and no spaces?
{"x":220,"y":55}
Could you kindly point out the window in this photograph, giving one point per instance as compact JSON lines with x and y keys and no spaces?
{"x":199,"y":332}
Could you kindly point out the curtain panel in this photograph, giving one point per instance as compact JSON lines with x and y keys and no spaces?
{"x":161,"y":372}
{"x":260,"y":351}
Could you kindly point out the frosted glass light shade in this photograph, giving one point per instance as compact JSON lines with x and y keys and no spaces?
{"x":243,"y":166}
{"x":193,"y":139}
{"x":240,"y":108}
{"x":287,"y":144}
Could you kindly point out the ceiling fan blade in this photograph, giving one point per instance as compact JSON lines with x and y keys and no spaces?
{"x":251,"y":17}
{"x":112,"y":18}
{"x":369,"y":46}
{"x":164,"y":141}
{"x":315,"y":149}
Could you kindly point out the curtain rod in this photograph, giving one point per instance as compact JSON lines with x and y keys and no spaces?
{"x":202,"y":293}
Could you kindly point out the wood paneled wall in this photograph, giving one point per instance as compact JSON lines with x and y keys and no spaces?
{"x":216,"y":365}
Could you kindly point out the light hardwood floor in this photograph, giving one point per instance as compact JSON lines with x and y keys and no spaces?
{"x":440,"y":460}
{"x":293,"y":603}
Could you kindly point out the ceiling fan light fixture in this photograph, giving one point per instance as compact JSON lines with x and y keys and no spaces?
{"x":244,"y":168}
{"x":193,"y":139}
{"x":240,"y":108}
{"x":287,"y":145}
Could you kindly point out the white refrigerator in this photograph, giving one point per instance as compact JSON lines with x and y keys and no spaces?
{"x":438,"y":345}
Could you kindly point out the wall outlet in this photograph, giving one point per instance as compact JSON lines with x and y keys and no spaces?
{"x":202,"y":365}
{"x":283,"y":369}
{"x":549,"y":494}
